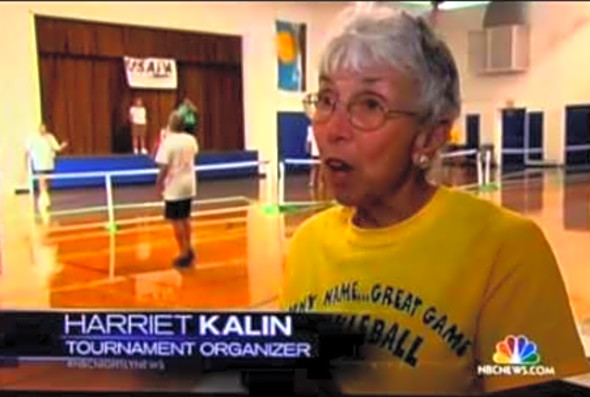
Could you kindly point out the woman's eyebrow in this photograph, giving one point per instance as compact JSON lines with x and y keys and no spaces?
{"x":372,"y":80}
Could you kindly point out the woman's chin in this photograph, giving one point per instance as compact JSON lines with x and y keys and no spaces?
{"x":346,"y":198}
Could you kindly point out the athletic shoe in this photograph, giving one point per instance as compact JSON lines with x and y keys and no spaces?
{"x":185,"y":261}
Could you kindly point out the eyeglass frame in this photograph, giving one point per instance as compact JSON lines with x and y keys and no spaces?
{"x":387,"y":113}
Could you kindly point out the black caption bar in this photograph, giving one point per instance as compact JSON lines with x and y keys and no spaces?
{"x":243,"y":337}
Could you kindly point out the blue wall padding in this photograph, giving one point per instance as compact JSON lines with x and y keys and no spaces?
{"x":292,"y":131}
{"x":135,"y":162}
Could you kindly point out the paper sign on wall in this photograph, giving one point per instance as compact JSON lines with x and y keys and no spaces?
{"x":157,"y":73}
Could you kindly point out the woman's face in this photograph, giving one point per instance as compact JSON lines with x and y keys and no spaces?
{"x":365,"y":166}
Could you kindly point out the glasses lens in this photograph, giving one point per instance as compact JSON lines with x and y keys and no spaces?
{"x":309,"y":106}
{"x":367,"y":114}
{"x":321,"y":107}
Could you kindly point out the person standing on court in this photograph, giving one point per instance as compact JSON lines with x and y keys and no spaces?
{"x":138,"y":119}
{"x":41,"y":152}
{"x":177,"y":183}
{"x":190,"y":115}
{"x":441,"y":282}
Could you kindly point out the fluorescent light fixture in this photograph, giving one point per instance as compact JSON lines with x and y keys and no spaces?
{"x":455,"y":5}
{"x":447,"y":5}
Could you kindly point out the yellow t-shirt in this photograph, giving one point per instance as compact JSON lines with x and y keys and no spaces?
{"x":435,"y":295}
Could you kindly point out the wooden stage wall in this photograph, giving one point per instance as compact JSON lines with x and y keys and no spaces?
{"x":85,"y":96}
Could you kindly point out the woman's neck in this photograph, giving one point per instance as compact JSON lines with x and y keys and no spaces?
{"x":400,"y":205}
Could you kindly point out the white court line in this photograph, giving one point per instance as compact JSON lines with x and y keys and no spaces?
{"x":154,"y":204}
{"x":142,"y":229}
{"x":131,"y":277}
{"x":147,"y":219}
{"x":133,"y":246}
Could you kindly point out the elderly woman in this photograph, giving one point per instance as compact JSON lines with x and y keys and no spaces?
{"x":444,"y":285}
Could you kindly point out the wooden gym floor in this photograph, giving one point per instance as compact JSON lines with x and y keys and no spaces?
{"x":239,"y":244}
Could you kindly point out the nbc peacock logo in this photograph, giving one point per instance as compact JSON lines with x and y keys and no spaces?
{"x":516,"y":355}
{"x":516,"y":350}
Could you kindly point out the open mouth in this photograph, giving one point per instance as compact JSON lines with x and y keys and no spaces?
{"x":337,"y":165}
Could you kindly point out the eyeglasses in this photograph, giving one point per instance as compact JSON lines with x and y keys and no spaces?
{"x":364,"y":113}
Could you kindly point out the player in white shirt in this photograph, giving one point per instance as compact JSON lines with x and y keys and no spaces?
{"x":159,"y":140}
{"x":312,"y":148}
{"x":41,"y":151}
{"x":177,"y":183}
{"x":138,"y":118}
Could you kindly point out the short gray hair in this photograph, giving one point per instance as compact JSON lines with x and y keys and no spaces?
{"x":175,"y":122}
{"x":382,"y":36}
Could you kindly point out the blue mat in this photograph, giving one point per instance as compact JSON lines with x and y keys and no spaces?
{"x":141,"y":162}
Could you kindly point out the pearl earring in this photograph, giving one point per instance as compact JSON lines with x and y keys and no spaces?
{"x":423,"y":161}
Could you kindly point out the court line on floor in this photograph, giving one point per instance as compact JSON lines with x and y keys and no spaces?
{"x":147,"y":219}
{"x":140,"y":229}
{"x":133,"y":246}
{"x":129,"y":277}
{"x":106,"y":270}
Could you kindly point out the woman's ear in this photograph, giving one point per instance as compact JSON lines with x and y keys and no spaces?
{"x":439,"y":135}
{"x":431,"y":139}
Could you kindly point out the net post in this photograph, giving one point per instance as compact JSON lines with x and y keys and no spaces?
{"x":479,"y":165}
{"x":282,"y":180}
{"x":31,"y":178}
{"x":112,"y":257}
{"x":268,"y":179}
{"x":488,"y":161}
{"x":110,"y":207}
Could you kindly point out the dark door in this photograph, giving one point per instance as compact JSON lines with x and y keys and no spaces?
{"x":534,"y":143}
{"x":577,"y":135}
{"x":472,"y":128}
{"x":513,"y":125}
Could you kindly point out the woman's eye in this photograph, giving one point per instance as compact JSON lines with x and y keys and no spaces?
{"x":325,"y":100}
{"x":370,"y":104}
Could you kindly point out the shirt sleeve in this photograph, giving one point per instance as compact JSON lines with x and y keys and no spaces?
{"x":527,"y":297}
{"x":163,"y":155}
{"x":54,"y":143}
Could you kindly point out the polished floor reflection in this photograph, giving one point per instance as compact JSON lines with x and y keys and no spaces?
{"x":240,"y":246}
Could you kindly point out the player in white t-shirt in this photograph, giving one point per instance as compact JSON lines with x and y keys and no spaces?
{"x":138,"y":118}
{"x":177,"y":183}
{"x":41,"y":151}
{"x":159,"y":139}
{"x":312,"y":148}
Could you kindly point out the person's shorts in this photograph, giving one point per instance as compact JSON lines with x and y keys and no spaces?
{"x":180,"y":209}
{"x":138,"y":130}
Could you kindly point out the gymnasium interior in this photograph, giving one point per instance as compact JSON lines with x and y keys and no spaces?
{"x":523,"y":143}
